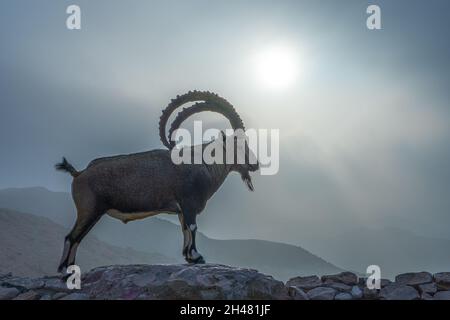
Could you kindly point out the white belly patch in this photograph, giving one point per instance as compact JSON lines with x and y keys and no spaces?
{"x":126,"y":217}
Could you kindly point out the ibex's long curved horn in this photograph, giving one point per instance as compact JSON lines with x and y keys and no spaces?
{"x":228,"y":111}
{"x":212,"y":102}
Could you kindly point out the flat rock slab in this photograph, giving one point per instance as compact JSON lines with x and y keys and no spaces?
{"x":206,"y":281}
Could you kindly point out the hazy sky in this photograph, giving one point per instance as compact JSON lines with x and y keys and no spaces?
{"x":363,"y":125}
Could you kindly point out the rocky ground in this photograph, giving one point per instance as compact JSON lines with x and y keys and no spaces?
{"x":212,"y":281}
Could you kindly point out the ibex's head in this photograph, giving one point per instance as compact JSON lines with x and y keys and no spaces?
{"x":245,"y":160}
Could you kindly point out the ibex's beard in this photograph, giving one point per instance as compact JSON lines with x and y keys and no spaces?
{"x":248,"y":180}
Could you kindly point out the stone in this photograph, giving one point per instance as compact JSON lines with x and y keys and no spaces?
{"x":220,"y":282}
{"x":5,"y":275}
{"x":442,"y":280}
{"x":385,"y":282}
{"x":58,"y":295}
{"x":430,"y":288}
{"x":305,"y":283}
{"x":362,"y":282}
{"x":8,"y":293}
{"x":339,"y":286}
{"x":75,"y":296}
{"x":321,"y":293}
{"x":343,"y":296}
{"x":399,"y":292}
{"x":297,"y":294}
{"x":348,"y":278}
{"x":356,"y":292}
{"x":371,"y":294}
{"x":442,"y":295}
{"x":426,"y":296}
{"x":55,"y":284}
{"x":28,"y":295}
{"x":413,"y":278}
{"x":24,"y":283}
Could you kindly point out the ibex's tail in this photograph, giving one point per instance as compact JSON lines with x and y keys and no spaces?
{"x":66,"y":166}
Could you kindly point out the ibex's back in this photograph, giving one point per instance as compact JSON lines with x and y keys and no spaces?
{"x":132,"y":183}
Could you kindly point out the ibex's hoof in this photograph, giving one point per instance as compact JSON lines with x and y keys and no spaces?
{"x":64,"y":277}
{"x":199,"y":260}
{"x":62,"y":268}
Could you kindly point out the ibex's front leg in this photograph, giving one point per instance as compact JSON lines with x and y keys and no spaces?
{"x":185,"y":234}
{"x":189,"y":227}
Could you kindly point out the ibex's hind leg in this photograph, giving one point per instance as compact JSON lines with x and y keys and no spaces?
{"x":84,"y":223}
{"x":190,"y":229}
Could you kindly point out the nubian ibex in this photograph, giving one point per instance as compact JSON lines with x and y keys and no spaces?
{"x":136,"y":186}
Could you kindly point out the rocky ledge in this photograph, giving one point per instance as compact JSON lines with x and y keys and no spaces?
{"x":212,"y":281}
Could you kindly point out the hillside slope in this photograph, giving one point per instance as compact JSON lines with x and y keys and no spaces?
{"x":32,"y":246}
{"x":155,"y":235}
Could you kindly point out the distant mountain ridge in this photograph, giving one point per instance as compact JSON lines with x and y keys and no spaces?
{"x":394,"y":250}
{"x":40,"y":201}
{"x":156,"y":236}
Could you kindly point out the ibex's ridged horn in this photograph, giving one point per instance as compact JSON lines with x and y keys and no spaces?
{"x":213,"y":102}
{"x":226,"y":110}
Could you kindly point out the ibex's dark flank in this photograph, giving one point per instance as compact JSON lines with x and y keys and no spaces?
{"x":135,"y":186}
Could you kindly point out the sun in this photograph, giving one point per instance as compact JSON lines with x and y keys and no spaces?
{"x":277,"y":67}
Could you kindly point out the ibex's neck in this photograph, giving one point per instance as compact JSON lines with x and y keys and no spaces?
{"x":218,"y":174}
